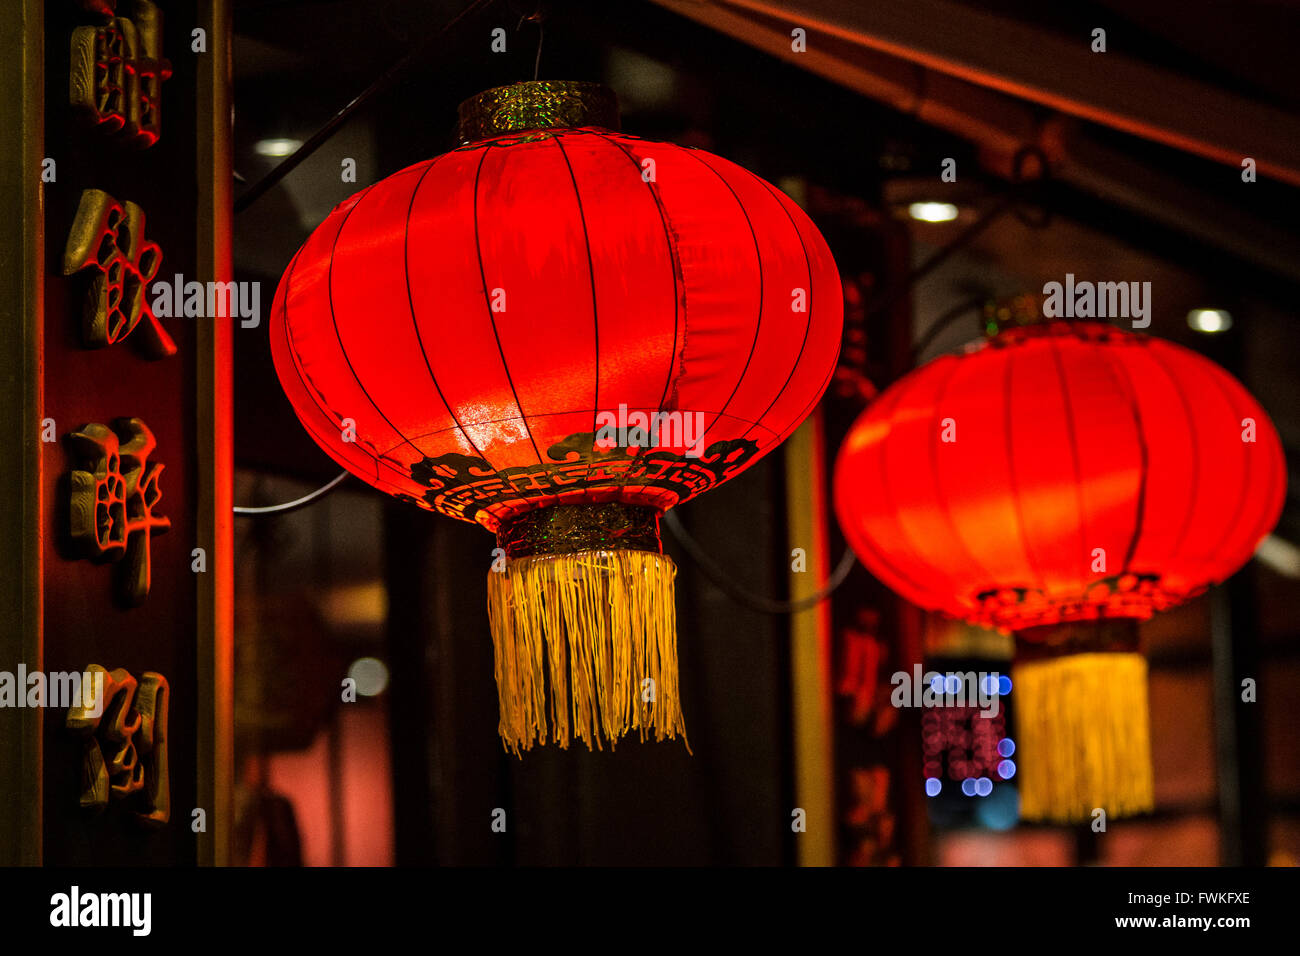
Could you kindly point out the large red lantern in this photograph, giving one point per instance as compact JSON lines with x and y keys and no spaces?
{"x":1063,"y":481}
{"x":559,"y":331}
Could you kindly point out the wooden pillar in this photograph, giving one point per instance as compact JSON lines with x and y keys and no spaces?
{"x":810,"y":645}
{"x":22,"y":256}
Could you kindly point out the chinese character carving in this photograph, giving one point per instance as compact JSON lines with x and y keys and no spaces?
{"x":125,"y":729}
{"x":108,"y":236}
{"x":114,"y":493}
{"x":118,"y":71}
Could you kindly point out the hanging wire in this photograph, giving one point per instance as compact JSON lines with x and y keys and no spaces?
{"x":1022,"y":199}
{"x":538,"y":16}
{"x":715,"y":573}
{"x":960,"y":310}
{"x":385,"y":80}
{"x":297,"y":503}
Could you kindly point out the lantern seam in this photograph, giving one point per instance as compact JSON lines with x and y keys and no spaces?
{"x":1275,"y":499}
{"x":1144,"y":453}
{"x":1031,"y":553}
{"x":758,"y":256}
{"x":1245,"y":478}
{"x":1084,"y":582}
{"x":892,"y":506}
{"x":329,"y":298}
{"x":312,"y":389}
{"x":410,"y":299}
{"x":932,"y":445}
{"x":679,"y":277}
{"x":306,"y":382}
{"x":591,"y":282}
{"x":1176,"y":551}
{"x":807,"y":409}
{"x":808,"y":326}
{"x":790,"y":428}
{"x":505,"y":366}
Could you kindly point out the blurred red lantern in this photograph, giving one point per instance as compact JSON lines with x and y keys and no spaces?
{"x":1058,"y":474}
{"x":559,"y":331}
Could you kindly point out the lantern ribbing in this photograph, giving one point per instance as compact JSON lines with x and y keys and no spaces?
{"x":1063,"y":481}
{"x":560,"y":331}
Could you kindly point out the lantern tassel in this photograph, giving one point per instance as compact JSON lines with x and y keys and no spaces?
{"x":1084,"y":736}
{"x":586,"y":647}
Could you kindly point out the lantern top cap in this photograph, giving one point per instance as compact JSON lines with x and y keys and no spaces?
{"x":536,"y":105}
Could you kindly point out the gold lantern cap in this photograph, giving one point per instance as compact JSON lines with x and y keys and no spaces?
{"x":536,"y":105}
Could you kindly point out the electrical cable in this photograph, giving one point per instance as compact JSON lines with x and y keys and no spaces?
{"x":944,"y":321}
{"x":297,"y":503}
{"x":714,"y":572}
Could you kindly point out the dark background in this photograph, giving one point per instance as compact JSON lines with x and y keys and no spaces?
{"x":413,"y":776}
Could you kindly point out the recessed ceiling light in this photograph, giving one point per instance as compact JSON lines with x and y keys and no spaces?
{"x":278,"y":146}
{"x":1280,"y":555}
{"x":932,"y":211}
{"x":1209,"y":320}
{"x":371,"y":676}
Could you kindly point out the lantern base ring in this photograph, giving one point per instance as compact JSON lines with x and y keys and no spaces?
{"x":566,"y":529}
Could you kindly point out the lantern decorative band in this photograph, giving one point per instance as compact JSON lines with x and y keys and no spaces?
{"x":576,"y":469}
{"x":1121,"y":595}
{"x":534,"y":105}
{"x":1118,"y":635}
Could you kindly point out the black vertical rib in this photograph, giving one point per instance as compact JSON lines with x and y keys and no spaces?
{"x":758,"y":256}
{"x":808,"y":327}
{"x":487,"y":301}
{"x":329,"y":290}
{"x":1196,"y":455}
{"x":591,"y":275}
{"x":1144,"y":454}
{"x":406,"y":272}
{"x":1074,"y":456}
{"x":679,"y":283}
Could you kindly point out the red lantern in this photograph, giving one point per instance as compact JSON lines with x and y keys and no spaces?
{"x":1058,"y":474}
{"x":559,"y":331}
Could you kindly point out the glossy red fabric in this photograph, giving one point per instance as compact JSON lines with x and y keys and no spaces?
{"x":472,"y":314}
{"x":1069,"y":437}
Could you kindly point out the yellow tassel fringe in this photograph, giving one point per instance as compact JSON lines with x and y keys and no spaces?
{"x":578,"y":639}
{"x":1084,"y":736}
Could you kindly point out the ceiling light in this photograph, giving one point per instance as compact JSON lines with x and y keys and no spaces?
{"x":276,"y":147}
{"x":932,"y":211}
{"x":1280,"y":555}
{"x":1209,"y":320}
{"x":371,"y":676}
